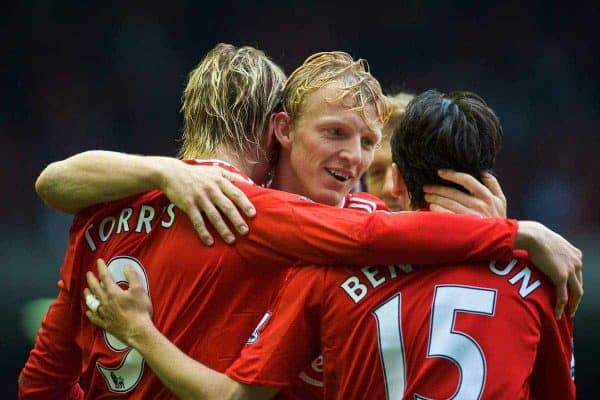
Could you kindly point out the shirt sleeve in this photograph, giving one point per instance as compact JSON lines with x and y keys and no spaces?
{"x":289,"y":341}
{"x":53,"y":367}
{"x":292,"y":229}
{"x":553,"y":373}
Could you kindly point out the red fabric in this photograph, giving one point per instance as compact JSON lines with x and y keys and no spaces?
{"x":527,"y":352}
{"x":52,"y":370}
{"x":208,"y":300}
{"x":309,"y":383}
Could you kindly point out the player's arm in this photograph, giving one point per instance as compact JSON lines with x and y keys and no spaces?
{"x":291,"y":228}
{"x":487,"y":200}
{"x":53,"y":367}
{"x":97,"y":176}
{"x":127,"y":315}
{"x":289,"y":336}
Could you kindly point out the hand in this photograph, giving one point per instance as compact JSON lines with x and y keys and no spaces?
{"x":123,"y":313}
{"x":483,"y":200}
{"x":197,"y":189}
{"x":560,"y":261}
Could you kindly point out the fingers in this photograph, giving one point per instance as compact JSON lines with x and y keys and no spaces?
{"x":223,"y":200}
{"x":579,"y":275}
{"x":492,"y":184}
{"x":95,"y":319}
{"x":480,"y":200}
{"x":239,"y":198}
{"x":198,"y":222}
{"x":105,"y":277}
{"x":91,"y":301}
{"x":561,"y":300}
{"x":465,"y":205}
{"x":216,"y":219}
{"x":467,"y":181}
{"x":95,"y":288}
{"x":232,"y":176}
{"x":207,"y":192}
{"x":437,"y":208}
{"x":131,"y":276}
{"x":219,"y":206}
{"x":576,"y":290}
{"x":449,"y":193}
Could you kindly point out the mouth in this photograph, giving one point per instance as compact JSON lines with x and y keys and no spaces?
{"x":339,"y":175}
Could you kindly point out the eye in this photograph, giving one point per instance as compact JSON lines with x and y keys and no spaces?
{"x":368,"y":143}
{"x":375,"y":173}
{"x":336,"y":133}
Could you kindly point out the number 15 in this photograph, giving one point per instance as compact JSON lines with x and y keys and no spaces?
{"x":444,"y":340}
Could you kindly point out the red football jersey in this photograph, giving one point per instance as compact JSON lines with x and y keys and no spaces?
{"x":207,"y":300}
{"x":453,"y":331}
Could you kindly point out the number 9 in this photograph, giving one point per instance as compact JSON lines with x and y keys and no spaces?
{"x":125,"y":376}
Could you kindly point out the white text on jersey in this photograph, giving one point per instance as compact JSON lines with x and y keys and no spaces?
{"x":115,"y":225}
{"x":357,"y":286}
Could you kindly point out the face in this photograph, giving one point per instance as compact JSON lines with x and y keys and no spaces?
{"x":379,"y":179}
{"x":330,"y":147}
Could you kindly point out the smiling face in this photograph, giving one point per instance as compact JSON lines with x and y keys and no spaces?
{"x":328,"y":148}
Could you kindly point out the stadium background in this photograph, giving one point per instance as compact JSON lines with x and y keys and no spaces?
{"x":80,"y":75}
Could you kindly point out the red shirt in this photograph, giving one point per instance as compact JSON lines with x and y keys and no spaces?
{"x":207,"y":300}
{"x":459,"y":331}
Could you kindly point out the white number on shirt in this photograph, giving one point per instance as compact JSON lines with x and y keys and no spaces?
{"x":444,"y":340}
{"x":125,"y":376}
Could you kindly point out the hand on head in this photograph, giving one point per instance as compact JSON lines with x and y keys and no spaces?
{"x":484,"y":200}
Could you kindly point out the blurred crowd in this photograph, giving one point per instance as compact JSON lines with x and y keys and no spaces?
{"x":110,"y":76}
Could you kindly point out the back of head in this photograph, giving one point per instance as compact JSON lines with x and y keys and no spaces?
{"x":228,"y":100}
{"x":457,"y":131}
{"x":358,"y":86}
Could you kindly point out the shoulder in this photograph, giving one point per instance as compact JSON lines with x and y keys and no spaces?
{"x":523,"y":280}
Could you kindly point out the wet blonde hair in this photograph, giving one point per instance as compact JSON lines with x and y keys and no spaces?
{"x":398,"y":103}
{"x":228,"y":100}
{"x":323,"y":68}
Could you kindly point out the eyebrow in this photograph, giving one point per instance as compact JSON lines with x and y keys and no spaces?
{"x":344,"y":122}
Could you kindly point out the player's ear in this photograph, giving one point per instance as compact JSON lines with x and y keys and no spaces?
{"x":399,"y":190}
{"x":269,"y":132}
{"x":282,"y":125}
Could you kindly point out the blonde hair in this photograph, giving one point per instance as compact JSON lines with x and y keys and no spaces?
{"x":323,"y":68}
{"x":228,"y":100}
{"x":398,"y":104}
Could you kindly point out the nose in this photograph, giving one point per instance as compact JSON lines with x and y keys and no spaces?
{"x":388,"y":182}
{"x":352,"y":151}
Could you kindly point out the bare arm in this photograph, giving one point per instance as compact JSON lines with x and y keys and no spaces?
{"x":97,"y":176}
{"x":127,"y":315}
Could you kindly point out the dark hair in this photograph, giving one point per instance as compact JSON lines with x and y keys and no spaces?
{"x":457,"y":131}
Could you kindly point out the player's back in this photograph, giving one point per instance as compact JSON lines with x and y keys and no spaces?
{"x":207,"y":300}
{"x":461,"y":332}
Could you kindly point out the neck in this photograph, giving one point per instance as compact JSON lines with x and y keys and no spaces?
{"x":283,"y":176}
{"x":246,"y":163}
